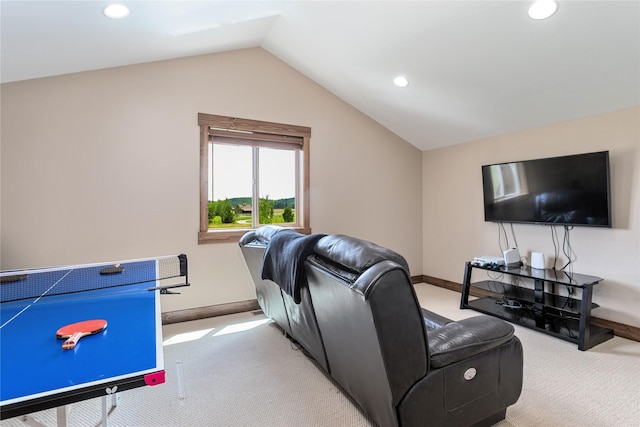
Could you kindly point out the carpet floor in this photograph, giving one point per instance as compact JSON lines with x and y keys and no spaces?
{"x":239,"y":370}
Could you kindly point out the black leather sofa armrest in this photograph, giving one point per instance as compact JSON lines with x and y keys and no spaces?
{"x":248,"y":238}
{"x":260,"y":235}
{"x":460,"y":340}
{"x":433,"y":320}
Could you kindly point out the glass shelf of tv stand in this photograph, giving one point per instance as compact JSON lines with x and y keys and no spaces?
{"x":548,"y":296}
{"x":540,"y":308}
{"x":526,"y":297}
{"x":550,"y":275}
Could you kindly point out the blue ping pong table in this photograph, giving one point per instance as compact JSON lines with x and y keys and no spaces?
{"x":36,"y":373}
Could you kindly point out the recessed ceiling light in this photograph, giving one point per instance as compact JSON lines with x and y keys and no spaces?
{"x":401,"y":81}
{"x":542,"y":9}
{"x":116,"y":11}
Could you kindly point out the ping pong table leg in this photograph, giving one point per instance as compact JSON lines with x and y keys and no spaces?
{"x":104,"y":411}
{"x":31,"y":422}
{"x":61,"y":418}
{"x":114,"y":402}
{"x":61,"y":415}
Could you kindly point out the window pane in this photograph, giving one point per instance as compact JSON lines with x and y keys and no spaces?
{"x":230,"y":187}
{"x":277,"y":186}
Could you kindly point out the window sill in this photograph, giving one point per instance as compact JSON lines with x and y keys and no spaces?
{"x":225,"y":236}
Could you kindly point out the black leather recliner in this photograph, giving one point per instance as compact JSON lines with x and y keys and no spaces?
{"x":403,"y":365}
{"x":297,"y":320}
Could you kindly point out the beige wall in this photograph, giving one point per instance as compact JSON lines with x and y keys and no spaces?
{"x":454,"y":227}
{"x":103,"y":165}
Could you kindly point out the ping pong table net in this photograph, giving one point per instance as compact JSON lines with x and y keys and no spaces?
{"x":35,"y":283}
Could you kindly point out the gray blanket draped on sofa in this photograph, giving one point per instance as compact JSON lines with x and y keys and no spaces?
{"x":283,"y":258}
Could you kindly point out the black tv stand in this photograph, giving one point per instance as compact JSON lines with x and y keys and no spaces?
{"x":540,"y":308}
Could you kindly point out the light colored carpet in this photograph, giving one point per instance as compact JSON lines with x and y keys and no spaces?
{"x":239,"y":370}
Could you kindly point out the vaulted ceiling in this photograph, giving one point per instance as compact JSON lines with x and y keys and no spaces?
{"x":475,"y":68}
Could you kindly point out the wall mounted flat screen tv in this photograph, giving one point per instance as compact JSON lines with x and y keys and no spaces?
{"x":567,"y":190}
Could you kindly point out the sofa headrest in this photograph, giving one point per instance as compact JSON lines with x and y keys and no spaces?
{"x":355,"y":255}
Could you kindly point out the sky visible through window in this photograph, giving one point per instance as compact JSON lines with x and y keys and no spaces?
{"x":232,"y":172}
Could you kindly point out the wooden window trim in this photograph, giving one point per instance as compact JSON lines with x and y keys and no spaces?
{"x":230,"y":127}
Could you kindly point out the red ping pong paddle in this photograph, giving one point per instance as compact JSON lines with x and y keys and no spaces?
{"x":73,"y":332}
